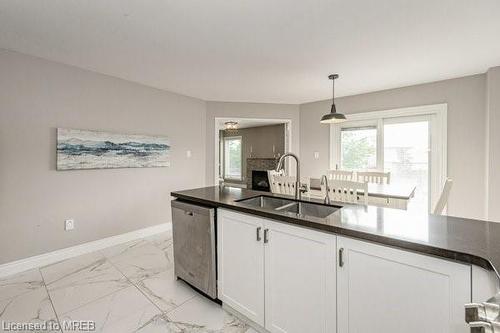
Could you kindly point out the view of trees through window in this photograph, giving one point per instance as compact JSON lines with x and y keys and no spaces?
{"x":358,"y":148}
{"x":232,"y":157}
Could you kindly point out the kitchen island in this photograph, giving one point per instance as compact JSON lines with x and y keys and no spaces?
{"x":358,"y":268}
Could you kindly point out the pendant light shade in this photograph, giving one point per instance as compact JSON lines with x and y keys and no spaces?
{"x":333,"y":116}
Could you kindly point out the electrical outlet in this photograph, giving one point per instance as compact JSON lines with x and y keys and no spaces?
{"x":188,"y":153}
{"x":316,"y":155}
{"x":69,"y":224}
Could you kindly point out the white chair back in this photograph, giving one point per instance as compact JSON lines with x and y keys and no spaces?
{"x":285,"y":185}
{"x":340,"y":175}
{"x":273,"y":184}
{"x":348,"y":191}
{"x":443,"y":198}
{"x":374,"y":177}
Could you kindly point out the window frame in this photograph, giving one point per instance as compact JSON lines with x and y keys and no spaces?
{"x":233,"y":138}
{"x":437,"y":114}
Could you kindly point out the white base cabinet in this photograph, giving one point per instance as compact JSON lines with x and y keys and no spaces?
{"x":299,"y":280}
{"x":381,"y":289}
{"x":241,"y":263}
{"x":281,"y":277}
{"x":291,"y":279}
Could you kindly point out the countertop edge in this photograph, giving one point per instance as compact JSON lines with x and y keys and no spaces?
{"x":464,"y":258}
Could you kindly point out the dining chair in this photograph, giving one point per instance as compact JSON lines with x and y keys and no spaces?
{"x":348,"y":191}
{"x":273,"y":184}
{"x":314,"y":188}
{"x":340,"y":175}
{"x":443,"y":198}
{"x":285,"y":184}
{"x":374,"y":177}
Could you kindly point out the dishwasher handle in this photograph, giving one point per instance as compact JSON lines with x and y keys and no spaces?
{"x":192,"y":209}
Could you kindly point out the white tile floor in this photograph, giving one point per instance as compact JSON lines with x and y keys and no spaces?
{"x":126,"y":288}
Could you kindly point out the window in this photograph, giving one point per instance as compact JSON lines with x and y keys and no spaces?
{"x":232,"y":157}
{"x":358,"y":147}
{"x":406,"y":155}
{"x":410,"y":143}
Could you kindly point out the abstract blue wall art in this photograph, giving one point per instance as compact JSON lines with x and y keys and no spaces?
{"x":81,"y":149}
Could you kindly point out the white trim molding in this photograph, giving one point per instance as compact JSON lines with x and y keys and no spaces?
{"x":437,"y":114}
{"x":73,"y":251}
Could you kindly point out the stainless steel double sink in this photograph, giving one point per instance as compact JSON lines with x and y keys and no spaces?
{"x":290,"y":206}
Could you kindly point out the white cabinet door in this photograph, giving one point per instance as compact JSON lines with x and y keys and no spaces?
{"x":241,"y":263}
{"x":300,"y":280}
{"x":381,"y":289}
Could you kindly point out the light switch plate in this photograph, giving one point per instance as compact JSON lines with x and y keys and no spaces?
{"x":316,"y":155}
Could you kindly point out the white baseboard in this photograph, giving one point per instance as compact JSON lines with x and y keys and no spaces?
{"x":73,"y":251}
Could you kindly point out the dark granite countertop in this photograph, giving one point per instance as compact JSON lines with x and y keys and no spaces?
{"x":464,"y":240}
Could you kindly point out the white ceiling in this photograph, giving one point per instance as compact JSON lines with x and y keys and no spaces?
{"x":278,"y":51}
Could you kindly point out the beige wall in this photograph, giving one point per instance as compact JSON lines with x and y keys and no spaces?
{"x":247,"y":110}
{"x":466,"y":128}
{"x":260,"y":140}
{"x":36,"y":97}
{"x":493,"y":137}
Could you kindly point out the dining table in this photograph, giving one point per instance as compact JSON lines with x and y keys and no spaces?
{"x":385,"y":195}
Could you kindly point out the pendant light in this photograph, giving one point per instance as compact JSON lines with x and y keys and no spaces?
{"x":333,"y":117}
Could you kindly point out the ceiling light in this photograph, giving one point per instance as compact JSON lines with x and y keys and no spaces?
{"x":333,"y":117}
{"x":231,"y":126}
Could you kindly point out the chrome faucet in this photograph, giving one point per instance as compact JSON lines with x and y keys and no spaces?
{"x":324,"y":181}
{"x":298,"y":188}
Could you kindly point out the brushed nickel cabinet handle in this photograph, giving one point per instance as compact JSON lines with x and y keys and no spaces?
{"x":341,"y":257}
{"x":258,"y":234}
{"x":266,"y":237}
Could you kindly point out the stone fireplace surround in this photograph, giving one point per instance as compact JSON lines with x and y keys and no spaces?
{"x":260,"y":164}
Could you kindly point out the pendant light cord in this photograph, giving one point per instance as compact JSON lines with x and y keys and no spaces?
{"x":333,"y":91}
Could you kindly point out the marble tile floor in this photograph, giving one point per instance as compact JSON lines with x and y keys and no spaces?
{"x":126,"y":288}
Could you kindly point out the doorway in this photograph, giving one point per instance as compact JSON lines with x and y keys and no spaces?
{"x":254,"y":141}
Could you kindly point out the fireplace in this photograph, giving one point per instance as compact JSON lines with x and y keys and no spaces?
{"x":260,"y":181}
{"x":261,"y":165}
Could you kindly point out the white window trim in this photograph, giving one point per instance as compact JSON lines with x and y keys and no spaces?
{"x":236,"y":137}
{"x":438,"y":142}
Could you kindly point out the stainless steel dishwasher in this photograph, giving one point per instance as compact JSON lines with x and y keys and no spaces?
{"x":193,"y":229}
